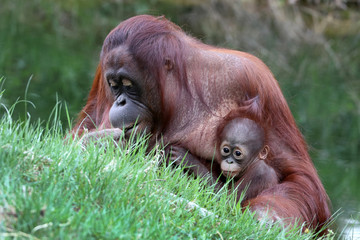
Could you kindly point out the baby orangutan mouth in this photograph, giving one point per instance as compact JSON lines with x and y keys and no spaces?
{"x":230,"y":173}
{"x":230,"y":170}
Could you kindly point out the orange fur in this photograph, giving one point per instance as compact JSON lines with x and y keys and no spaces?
{"x":203,"y":85}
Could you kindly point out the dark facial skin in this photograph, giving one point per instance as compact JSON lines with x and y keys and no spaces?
{"x":242,"y":143}
{"x":133,"y":109}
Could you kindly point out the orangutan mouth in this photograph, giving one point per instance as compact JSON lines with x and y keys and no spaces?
{"x":230,"y":173}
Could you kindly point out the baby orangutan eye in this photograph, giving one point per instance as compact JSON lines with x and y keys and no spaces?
{"x":237,"y":154}
{"x":225,"y":151}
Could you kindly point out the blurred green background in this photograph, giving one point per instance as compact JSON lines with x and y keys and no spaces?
{"x":312,"y":47}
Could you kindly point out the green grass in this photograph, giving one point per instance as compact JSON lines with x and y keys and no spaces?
{"x":53,"y":188}
{"x":57,"y":44}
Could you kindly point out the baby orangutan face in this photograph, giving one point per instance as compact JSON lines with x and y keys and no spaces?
{"x":241,"y":144}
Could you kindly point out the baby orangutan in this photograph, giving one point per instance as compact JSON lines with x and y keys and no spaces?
{"x":242,"y":155}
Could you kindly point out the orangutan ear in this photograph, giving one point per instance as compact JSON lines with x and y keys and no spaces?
{"x":264,"y":152}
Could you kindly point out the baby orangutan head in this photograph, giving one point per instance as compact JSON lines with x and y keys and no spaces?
{"x":242,"y":142}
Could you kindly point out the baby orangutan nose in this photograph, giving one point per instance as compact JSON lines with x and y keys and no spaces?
{"x":229,"y":161}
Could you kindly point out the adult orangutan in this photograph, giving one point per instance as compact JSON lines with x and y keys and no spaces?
{"x":154,"y":78}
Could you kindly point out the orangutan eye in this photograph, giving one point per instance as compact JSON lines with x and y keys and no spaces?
{"x":113,"y":84}
{"x":126,"y":82}
{"x":237,"y":154}
{"x":225,"y":151}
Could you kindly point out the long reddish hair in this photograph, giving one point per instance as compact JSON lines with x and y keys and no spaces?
{"x":155,"y":42}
